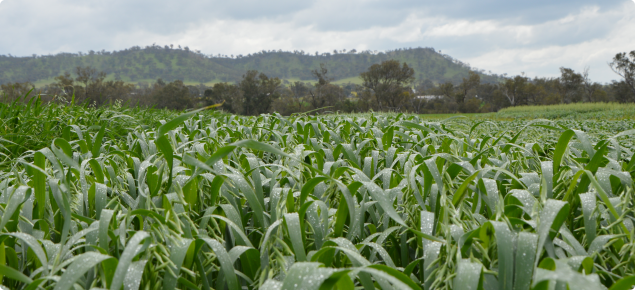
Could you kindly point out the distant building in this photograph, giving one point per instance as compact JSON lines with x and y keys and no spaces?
{"x":428,"y":97}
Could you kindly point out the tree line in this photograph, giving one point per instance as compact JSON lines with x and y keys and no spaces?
{"x":388,"y":86}
{"x":137,"y":64}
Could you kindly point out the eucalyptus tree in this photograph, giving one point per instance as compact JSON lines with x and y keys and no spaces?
{"x":390,"y":82}
{"x":623,"y":64}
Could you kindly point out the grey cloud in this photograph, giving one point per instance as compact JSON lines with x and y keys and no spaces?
{"x":340,"y":16}
{"x":518,"y":12}
{"x":579,"y":29}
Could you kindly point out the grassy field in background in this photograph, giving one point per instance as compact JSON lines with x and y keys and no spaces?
{"x":354,"y":80}
{"x":580,"y":111}
{"x":130,"y":198}
{"x":573,"y":111}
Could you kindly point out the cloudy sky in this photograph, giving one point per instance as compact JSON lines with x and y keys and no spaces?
{"x":504,"y":36}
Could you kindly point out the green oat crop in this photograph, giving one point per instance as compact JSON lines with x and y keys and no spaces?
{"x":120,"y":198}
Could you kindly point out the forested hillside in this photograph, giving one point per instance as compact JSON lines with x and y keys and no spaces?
{"x":171,"y":63}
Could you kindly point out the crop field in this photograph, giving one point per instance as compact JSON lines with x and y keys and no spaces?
{"x":121,"y":198}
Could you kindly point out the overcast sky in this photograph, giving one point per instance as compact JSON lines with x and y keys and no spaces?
{"x":504,"y":36}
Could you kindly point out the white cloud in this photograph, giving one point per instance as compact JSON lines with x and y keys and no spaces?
{"x":463,"y":28}
{"x":545,"y":59}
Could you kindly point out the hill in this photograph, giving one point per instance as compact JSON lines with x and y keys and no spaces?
{"x":138,"y":64}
